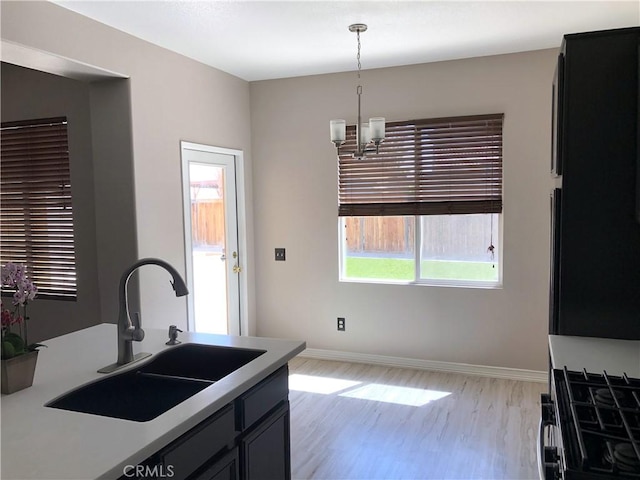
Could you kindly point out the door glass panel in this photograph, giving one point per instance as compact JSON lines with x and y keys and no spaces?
{"x":208,"y":227}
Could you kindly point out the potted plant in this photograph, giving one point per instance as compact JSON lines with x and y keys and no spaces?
{"x":18,"y":357}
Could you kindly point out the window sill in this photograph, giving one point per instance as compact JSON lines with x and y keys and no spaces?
{"x":428,"y":283}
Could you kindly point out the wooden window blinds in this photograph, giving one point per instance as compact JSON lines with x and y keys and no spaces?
{"x":36,"y":215}
{"x":425,"y":167}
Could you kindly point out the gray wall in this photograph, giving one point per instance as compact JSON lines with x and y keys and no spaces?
{"x":172,"y":98}
{"x":115,"y":212}
{"x":295,"y":181}
{"x":28,"y":94}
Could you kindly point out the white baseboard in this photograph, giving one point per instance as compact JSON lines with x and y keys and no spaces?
{"x":481,"y":370}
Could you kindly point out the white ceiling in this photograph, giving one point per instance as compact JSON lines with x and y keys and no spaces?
{"x":257,"y":40}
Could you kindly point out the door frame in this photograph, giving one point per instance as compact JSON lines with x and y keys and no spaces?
{"x":241,"y":226}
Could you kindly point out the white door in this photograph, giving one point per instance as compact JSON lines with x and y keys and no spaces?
{"x":213,"y":259}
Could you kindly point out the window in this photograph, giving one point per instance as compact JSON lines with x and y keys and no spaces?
{"x":36,"y":215}
{"x":427,"y":207}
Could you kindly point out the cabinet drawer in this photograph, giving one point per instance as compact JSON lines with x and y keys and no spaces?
{"x":262,"y":398}
{"x":196,"y":447}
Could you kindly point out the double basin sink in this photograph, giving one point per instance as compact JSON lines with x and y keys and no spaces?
{"x":169,"y":378}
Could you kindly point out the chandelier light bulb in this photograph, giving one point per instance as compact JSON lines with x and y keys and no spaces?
{"x":376,"y":126}
{"x":365,"y":134}
{"x":338,"y":131}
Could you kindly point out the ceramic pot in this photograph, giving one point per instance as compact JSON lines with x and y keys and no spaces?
{"x":17,"y":372}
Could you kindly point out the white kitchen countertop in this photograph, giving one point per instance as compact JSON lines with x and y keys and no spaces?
{"x":39,"y":442}
{"x":596,"y":354}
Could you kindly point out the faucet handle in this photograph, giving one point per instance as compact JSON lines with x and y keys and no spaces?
{"x":136,"y":320}
{"x":138,"y":333}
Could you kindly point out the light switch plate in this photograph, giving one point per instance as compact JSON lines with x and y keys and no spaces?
{"x":280,"y":255}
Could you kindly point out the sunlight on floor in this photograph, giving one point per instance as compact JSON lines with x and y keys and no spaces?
{"x":324,"y":385}
{"x":415,"y":397}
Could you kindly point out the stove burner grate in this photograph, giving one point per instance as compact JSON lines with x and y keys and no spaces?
{"x":605,"y":414}
{"x":623,"y":456}
{"x":606,"y":396}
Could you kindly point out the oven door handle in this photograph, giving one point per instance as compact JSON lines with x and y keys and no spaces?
{"x":541,"y":467}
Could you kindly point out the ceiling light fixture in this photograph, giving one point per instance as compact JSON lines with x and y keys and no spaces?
{"x":367,"y":135}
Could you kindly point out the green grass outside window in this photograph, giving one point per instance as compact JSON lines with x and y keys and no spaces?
{"x":403,"y":269}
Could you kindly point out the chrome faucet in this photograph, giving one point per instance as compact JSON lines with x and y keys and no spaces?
{"x":131,"y":331}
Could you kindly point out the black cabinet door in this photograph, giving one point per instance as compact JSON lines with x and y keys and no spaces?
{"x":596,"y":272}
{"x":226,"y":468}
{"x":557,"y":117}
{"x":197,"y":447}
{"x":265,"y":452}
{"x":554,"y":281}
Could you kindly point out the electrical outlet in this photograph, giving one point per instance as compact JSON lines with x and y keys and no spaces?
{"x":280,"y":255}
{"x":341,"y":324}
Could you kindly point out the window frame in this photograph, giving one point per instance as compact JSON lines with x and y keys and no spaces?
{"x":383,"y":187}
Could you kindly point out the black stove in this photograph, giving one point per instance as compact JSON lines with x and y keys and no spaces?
{"x":597,"y":417}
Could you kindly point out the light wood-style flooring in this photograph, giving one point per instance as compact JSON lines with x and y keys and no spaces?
{"x":372,"y":422}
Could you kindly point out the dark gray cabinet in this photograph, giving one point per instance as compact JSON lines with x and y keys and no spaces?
{"x":595,"y":269}
{"x":261,"y":399}
{"x":246,"y":439}
{"x":262,"y":415}
{"x":265,"y":451}
{"x":198,"y":446}
{"x":225,"y":468}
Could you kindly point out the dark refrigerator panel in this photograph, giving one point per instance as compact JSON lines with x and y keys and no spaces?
{"x":595,"y":275}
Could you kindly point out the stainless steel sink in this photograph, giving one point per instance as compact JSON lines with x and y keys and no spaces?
{"x":169,"y":378}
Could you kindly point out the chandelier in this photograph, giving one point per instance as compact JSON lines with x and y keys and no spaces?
{"x":368,"y":136}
